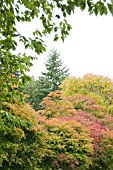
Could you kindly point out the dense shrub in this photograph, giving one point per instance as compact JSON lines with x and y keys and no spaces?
{"x":21,"y":146}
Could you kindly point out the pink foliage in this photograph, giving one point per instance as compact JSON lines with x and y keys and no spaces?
{"x":91,"y":122}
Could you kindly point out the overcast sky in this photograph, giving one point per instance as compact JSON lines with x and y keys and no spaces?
{"x":88,"y":48}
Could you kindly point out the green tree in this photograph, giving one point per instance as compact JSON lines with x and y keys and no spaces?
{"x":96,"y":87}
{"x":90,"y":84}
{"x":55,"y":72}
{"x":50,"y":80}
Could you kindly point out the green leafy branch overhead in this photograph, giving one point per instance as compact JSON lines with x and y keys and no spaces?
{"x":14,"y":11}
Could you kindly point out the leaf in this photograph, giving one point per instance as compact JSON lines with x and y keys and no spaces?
{"x":110,"y":7}
{"x":55,"y":29}
{"x":82,"y":5}
{"x":69,"y":27}
{"x":56,"y":37}
{"x":63,"y":37}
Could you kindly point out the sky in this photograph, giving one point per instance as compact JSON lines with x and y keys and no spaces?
{"x":88,"y":48}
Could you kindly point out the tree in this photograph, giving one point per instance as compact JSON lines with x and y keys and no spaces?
{"x":94,"y":86}
{"x":21,"y":138}
{"x":55,"y":72}
{"x":33,"y":142}
{"x":49,"y":81}
{"x":13,"y":12}
{"x":87,"y":111}
{"x":60,"y":136}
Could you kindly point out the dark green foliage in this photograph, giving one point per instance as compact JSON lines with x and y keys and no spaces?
{"x":49,"y":81}
{"x":55,"y":72}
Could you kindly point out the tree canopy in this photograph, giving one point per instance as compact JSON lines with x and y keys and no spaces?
{"x":84,"y":100}
{"x":70,"y":132}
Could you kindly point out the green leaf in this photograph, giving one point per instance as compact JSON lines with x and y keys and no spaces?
{"x":82,"y":5}
{"x":63,"y":37}
{"x":56,"y":37}
{"x":110,"y":7}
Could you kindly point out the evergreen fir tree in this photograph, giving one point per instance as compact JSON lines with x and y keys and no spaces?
{"x":55,"y":72}
{"x":50,"y":80}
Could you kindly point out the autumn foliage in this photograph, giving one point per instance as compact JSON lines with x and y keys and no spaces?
{"x":72,"y":131}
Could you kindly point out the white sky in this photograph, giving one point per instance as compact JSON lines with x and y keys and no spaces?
{"x":88,"y":48}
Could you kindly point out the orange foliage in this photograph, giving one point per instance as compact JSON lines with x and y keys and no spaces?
{"x":56,"y":105}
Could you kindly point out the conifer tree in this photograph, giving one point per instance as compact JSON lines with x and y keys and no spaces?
{"x":55,"y":72}
{"x":50,"y":79}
